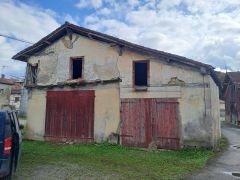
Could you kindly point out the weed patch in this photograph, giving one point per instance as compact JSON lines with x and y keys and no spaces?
{"x":105,"y":160}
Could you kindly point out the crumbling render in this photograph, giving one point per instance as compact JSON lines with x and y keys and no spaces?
{"x":68,"y":43}
{"x":175,"y":81}
{"x":74,"y":83}
{"x":109,"y":69}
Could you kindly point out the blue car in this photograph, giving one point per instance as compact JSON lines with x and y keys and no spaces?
{"x":10,"y":140}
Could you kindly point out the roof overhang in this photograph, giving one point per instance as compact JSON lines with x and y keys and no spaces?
{"x":68,"y":28}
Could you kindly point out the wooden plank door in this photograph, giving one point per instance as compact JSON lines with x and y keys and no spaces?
{"x":70,"y":115}
{"x":165,"y":123}
{"x":135,"y":115}
{"x":150,"y":120}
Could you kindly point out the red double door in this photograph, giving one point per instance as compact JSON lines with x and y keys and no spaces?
{"x":70,"y":115}
{"x":145,"y":121}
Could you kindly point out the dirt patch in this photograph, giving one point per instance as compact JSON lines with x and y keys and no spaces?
{"x":60,"y":171}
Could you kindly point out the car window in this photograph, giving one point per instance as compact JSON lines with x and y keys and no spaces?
{"x":8,"y":129}
{"x":16,"y":121}
{"x":10,"y":114}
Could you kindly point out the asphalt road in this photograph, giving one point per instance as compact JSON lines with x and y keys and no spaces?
{"x":222,"y":167}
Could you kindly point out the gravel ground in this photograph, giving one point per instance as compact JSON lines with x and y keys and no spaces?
{"x":60,"y":171}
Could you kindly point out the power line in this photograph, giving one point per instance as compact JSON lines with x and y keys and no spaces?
{"x":17,"y":39}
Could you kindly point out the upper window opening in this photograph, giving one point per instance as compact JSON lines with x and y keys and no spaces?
{"x":32,"y":74}
{"x":34,"y":70}
{"x":141,"y":73}
{"x":77,"y":68}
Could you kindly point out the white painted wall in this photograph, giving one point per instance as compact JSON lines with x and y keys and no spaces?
{"x":14,"y":103}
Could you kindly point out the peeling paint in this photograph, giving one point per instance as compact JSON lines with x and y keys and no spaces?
{"x":197,"y":95}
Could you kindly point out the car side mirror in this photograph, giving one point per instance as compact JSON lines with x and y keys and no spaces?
{"x":21,"y":126}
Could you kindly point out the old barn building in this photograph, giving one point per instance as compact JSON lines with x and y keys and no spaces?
{"x":232,"y":97}
{"x":86,"y":86}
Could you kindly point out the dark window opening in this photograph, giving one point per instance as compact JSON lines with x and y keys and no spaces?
{"x":141,"y":73}
{"x":34,"y":70}
{"x":77,"y":66}
{"x":17,"y":99}
{"x":32,"y":74}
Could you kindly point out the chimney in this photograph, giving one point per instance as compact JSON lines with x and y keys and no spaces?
{"x":2,"y":76}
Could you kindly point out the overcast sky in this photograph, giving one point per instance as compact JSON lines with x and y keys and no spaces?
{"x":204,"y":30}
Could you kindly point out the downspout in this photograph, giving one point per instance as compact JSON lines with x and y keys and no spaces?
{"x":204,"y":72}
{"x":119,"y":52}
{"x":204,"y":94}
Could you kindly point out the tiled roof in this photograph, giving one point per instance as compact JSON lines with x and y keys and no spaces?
{"x":16,"y":89}
{"x":68,"y":28}
{"x":234,"y":76}
{"x":6,"y":81}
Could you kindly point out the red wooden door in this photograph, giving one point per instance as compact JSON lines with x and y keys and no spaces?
{"x":165,"y":124}
{"x":134,"y":115}
{"x":70,"y":115}
{"x":150,"y":120}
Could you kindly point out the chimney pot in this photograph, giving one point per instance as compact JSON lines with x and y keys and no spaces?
{"x":2,"y":76}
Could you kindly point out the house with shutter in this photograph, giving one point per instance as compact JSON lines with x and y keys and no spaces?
{"x":85,"y":86}
{"x":232,"y":97}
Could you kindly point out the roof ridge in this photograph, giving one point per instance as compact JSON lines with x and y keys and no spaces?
{"x":64,"y":29}
{"x":45,"y":40}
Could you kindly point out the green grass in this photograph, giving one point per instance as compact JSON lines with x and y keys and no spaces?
{"x":103,"y":160}
{"x":222,"y":144}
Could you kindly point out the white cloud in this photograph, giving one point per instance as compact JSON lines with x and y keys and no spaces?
{"x":133,"y":2}
{"x":19,"y":19}
{"x":104,"y":11}
{"x":91,"y":19}
{"x":70,"y":19}
{"x":89,"y":4}
{"x":211,"y":7}
{"x":25,"y":22}
{"x":166,"y":4}
{"x":204,"y":30}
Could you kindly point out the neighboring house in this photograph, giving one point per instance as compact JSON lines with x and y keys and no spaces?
{"x":87,"y":86}
{"x":222,"y":110}
{"x":232,"y":97}
{"x":15,"y":96}
{"x":5,"y":91}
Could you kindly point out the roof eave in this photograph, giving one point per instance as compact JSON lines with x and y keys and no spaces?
{"x":23,"y":55}
{"x":26,"y":53}
{"x":10,"y":84}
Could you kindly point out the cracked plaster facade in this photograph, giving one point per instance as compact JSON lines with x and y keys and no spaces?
{"x":197,"y":96}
